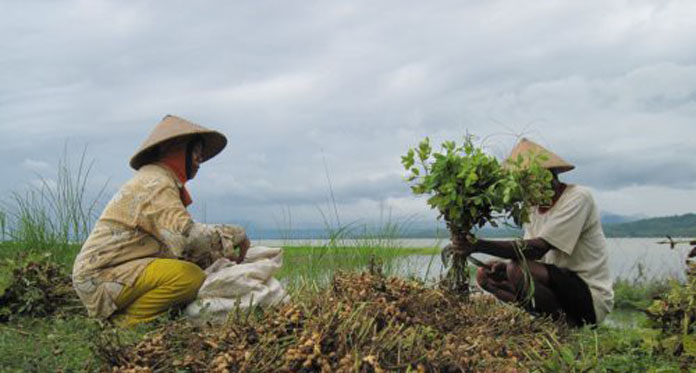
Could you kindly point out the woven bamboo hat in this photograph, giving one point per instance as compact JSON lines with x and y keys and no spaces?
{"x":172,"y":127}
{"x":527,"y":148}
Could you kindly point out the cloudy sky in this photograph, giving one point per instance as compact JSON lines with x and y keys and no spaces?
{"x":342,"y":88}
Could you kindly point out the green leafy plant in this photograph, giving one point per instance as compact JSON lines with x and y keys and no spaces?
{"x":471,"y":188}
{"x":675,"y":314}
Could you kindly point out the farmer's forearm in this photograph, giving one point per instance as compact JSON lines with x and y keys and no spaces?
{"x":532,"y":249}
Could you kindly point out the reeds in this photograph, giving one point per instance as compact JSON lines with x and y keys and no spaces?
{"x":3,"y":225}
{"x":55,"y":215}
{"x":348,"y":247}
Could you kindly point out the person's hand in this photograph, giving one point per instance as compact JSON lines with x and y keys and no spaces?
{"x":498,"y":270}
{"x":243,"y":248}
{"x":456,"y":247}
{"x":235,"y":243}
{"x":463,"y":247}
{"x":494,"y":273}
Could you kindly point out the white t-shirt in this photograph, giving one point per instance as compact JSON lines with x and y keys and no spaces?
{"x":573,"y":227}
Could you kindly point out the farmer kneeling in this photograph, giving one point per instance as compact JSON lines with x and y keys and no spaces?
{"x":565,"y":251}
{"x":145,"y":252}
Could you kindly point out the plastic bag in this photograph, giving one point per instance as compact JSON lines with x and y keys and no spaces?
{"x":229,"y":285}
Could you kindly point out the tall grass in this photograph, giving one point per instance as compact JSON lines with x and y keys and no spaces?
{"x":342,"y":246}
{"x":353,"y":246}
{"x":3,"y":225}
{"x":284,"y":224}
{"x":348,"y":246}
{"x":55,"y":215}
{"x":638,"y":294}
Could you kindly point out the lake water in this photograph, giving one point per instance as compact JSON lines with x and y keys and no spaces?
{"x":629,"y":258}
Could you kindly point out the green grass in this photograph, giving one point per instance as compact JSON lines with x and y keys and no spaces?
{"x":56,"y":343}
{"x":637,"y":295}
{"x":609,"y":349}
{"x":320,"y":258}
{"x":42,"y":345}
{"x":306,"y":264}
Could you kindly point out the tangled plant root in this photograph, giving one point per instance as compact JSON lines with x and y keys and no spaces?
{"x":360,"y":323}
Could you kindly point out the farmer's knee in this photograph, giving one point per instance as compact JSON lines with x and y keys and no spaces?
{"x":514,"y":272}
{"x":180,"y":279}
{"x":191,"y":279}
{"x":481,"y":276}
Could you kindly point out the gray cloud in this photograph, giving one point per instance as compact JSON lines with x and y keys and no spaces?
{"x":663,"y":166}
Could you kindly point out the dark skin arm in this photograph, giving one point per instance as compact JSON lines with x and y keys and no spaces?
{"x":534,"y":249}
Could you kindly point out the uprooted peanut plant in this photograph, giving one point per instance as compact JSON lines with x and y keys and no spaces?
{"x":37,"y":288}
{"x":471,"y":188}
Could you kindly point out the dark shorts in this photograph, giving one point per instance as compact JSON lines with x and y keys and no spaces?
{"x":573,"y":295}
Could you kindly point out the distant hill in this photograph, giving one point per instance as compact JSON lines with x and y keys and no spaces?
{"x":611,"y":218}
{"x":675,"y":226}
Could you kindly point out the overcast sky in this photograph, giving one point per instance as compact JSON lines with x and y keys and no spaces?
{"x":300,"y":88}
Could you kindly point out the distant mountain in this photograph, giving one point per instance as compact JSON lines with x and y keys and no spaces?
{"x":611,"y":218}
{"x":675,"y":226}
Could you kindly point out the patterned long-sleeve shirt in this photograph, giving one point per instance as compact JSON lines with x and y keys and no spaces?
{"x":145,"y":220}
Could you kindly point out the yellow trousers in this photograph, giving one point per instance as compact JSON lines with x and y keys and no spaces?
{"x":163,"y":283}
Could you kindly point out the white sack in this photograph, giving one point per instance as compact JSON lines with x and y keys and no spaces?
{"x":229,"y":285}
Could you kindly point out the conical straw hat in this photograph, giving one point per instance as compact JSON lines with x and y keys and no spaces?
{"x":527,"y":149}
{"x":172,"y":127}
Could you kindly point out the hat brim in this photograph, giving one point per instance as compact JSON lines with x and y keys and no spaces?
{"x":213,"y":143}
{"x":561,"y":169}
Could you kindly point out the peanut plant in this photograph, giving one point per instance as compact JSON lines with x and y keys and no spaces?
{"x":471,"y":188}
